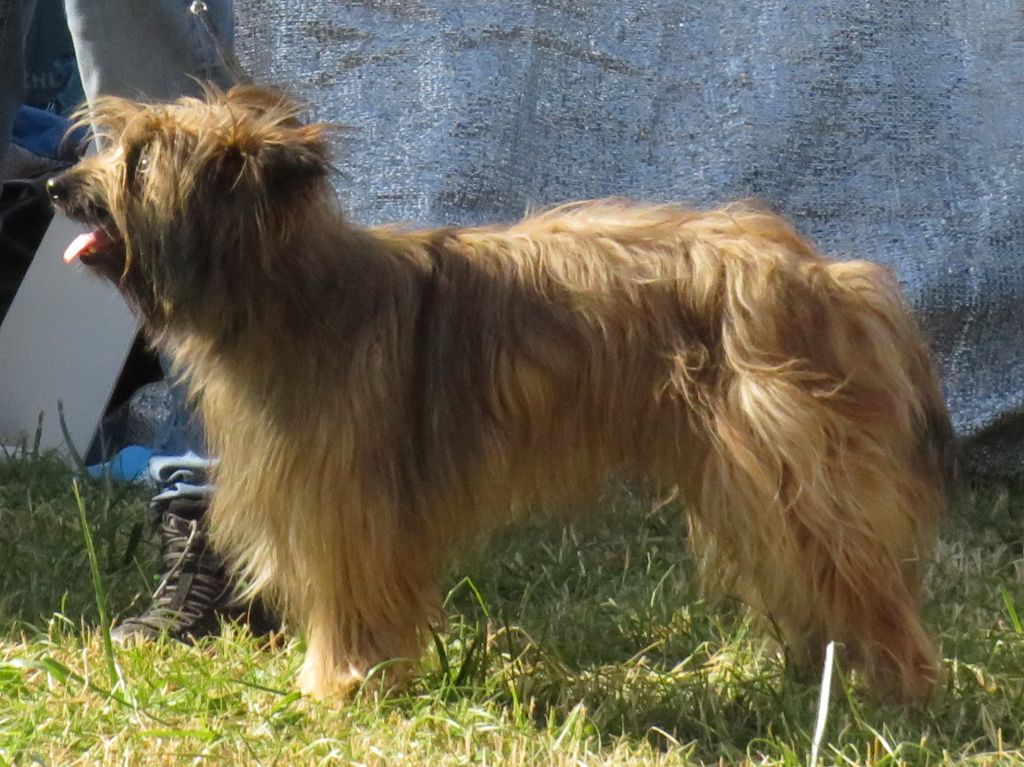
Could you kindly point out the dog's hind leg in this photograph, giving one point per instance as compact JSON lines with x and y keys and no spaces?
{"x":823,"y":482}
{"x":826,"y":544}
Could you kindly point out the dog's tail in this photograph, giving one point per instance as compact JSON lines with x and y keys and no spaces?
{"x":876,"y":296}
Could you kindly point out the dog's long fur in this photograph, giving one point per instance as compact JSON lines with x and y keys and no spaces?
{"x":379,"y":398}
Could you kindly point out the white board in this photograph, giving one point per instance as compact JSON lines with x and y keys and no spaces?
{"x":65,"y":338}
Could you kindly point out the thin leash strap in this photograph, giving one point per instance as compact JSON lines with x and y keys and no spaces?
{"x":201,"y":11}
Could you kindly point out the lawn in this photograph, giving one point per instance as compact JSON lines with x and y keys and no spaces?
{"x":584,"y":646}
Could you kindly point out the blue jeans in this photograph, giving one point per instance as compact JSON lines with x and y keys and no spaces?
{"x":139,"y":49}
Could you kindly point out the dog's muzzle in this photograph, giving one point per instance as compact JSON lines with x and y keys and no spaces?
{"x":57,"y":188}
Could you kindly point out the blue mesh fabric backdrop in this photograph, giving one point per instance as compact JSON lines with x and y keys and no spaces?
{"x":887,"y":131}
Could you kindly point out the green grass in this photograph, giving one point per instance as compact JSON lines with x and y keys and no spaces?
{"x":588,"y":646}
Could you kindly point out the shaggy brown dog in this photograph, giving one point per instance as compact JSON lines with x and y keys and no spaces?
{"x":381,"y":398}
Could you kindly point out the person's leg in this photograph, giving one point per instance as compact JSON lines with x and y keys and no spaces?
{"x":194,"y":593}
{"x":153,"y":50}
{"x":159,"y":50}
{"x":15,"y":16}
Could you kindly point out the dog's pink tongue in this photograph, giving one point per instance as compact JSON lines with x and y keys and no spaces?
{"x":84,"y":244}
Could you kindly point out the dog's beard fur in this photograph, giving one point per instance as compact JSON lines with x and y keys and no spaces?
{"x":380,"y":398}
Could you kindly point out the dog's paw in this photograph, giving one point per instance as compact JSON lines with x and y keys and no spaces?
{"x":347,"y":682}
{"x":333,"y":684}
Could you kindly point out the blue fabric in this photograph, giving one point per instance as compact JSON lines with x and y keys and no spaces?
{"x":887,"y":131}
{"x":130,"y":464}
{"x":42,"y":133}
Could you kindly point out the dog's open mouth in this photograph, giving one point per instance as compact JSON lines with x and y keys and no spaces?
{"x":88,"y":246}
{"x":96,"y":248}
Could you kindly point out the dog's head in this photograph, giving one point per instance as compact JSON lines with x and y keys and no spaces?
{"x":189,"y":200}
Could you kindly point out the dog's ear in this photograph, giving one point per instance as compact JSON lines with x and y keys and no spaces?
{"x":285,"y":154}
{"x":291,"y":159}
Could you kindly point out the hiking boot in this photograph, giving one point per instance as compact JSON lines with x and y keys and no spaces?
{"x":194,"y":594}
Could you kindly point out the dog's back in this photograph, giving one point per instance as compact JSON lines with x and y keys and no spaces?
{"x":792,"y":398}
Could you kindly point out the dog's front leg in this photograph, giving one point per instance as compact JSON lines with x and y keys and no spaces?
{"x":367,"y":627}
{"x":330,"y":669}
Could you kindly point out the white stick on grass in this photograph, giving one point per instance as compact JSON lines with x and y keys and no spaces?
{"x":826,"y":688}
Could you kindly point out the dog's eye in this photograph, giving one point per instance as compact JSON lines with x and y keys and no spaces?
{"x":138,"y":163}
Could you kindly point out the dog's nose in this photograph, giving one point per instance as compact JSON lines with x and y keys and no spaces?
{"x":57,"y":188}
